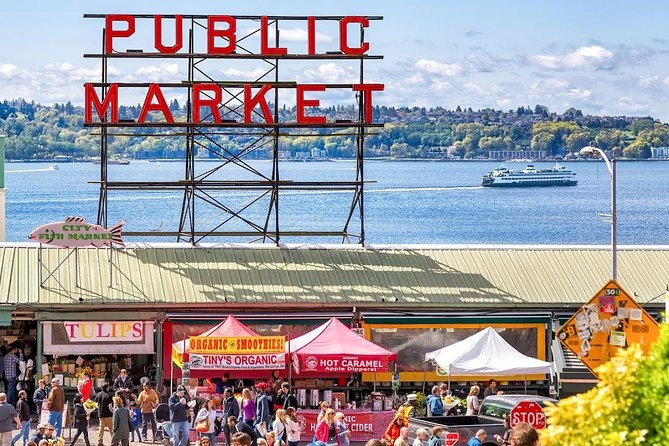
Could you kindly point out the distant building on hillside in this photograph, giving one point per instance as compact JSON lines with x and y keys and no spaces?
{"x":661,"y":153}
{"x":516,"y":154}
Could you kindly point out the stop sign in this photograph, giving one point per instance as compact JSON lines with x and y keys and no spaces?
{"x":529,"y":412}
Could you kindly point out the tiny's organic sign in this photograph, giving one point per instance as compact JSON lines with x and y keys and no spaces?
{"x":74,"y":232}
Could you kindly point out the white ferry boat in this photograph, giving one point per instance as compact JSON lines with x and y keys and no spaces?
{"x":530,"y":176}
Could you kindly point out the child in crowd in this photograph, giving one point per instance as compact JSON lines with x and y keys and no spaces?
{"x":136,"y":416}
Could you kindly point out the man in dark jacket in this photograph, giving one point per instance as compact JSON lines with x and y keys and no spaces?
{"x":123,"y":386}
{"x":104,"y":400}
{"x":230,"y":409}
{"x":179,"y":417}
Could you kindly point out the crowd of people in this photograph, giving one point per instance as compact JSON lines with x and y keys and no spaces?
{"x":265,"y":415}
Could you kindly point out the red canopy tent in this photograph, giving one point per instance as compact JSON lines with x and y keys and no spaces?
{"x":201,"y":364}
{"x":333,"y":348}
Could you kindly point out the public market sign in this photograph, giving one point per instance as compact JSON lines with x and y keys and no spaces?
{"x":611,"y":320}
{"x":221,"y":37}
{"x":236,"y":345}
{"x":75,"y":232}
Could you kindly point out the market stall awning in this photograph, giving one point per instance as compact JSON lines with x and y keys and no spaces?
{"x":333,"y":347}
{"x":486,"y":353}
{"x":230,"y":346}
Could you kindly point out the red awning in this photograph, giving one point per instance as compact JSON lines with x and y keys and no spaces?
{"x":333,"y":347}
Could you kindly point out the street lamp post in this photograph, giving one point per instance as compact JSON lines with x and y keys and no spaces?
{"x":611,"y":166}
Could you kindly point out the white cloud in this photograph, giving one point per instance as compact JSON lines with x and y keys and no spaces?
{"x":164,"y":72}
{"x":7,"y":69}
{"x":549,"y":86}
{"x":630,"y":106}
{"x":250,"y":75}
{"x":653,"y":81}
{"x":328,"y":73}
{"x":300,"y":35}
{"x":584,"y":58}
{"x":440,"y":68}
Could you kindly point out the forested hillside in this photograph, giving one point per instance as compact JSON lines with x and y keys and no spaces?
{"x":41,"y":132}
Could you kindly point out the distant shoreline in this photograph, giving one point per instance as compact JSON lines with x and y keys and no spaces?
{"x":210,"y":160}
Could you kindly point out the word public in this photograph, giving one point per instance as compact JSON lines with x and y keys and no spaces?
{"x":223,"y":29}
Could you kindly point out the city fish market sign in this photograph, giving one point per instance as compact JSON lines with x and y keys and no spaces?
{"x":245,"y":352}
{"x":74,"y":232}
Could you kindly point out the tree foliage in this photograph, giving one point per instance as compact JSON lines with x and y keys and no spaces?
{"x":37,"y":131}
{"x":629,"y":405}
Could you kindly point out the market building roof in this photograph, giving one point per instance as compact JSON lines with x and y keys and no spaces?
{"x":253,"y":276}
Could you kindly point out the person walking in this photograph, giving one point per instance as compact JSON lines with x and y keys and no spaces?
{"x":135,"y":418}
{"x":209,"y":413}
{"x":230,"y":409}
{"x":55,"y":404}
{"x":280,"y":428}
{"x":178,"y":405}
{"x":12,"y":359}
{"x":343,"y":432}
{"x":123,"y":386}
{"x":435,"y":439}
{"x":23,"y":411}
{"x":120,"y":423}
{"x":248,"y":407}
{"x":7,"y":414}
{"x":326,"y":431}
{"x":80,"y":420}
{"x":293,"y":424}
{"x":473,"y":404}
{"x":148,"y":400}
{"x":39,"y":395}
{"x":262,"y":421}
{"x":104,"y":400}
{"x":86,"y":387}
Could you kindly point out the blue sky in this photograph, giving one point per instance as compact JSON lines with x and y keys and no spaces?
{"x":604,"y":57}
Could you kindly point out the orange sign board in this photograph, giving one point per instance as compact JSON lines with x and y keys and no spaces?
{"x":236,"y":345}
{"x":611,"y":320}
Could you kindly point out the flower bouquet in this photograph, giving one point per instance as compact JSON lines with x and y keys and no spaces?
{"x":90,"y":406}
{"x":60,"y":441}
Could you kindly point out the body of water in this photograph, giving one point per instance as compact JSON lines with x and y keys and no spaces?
{"x":407,"y":202}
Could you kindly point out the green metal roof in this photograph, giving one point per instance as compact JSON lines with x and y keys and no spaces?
{"x":381,"y":277}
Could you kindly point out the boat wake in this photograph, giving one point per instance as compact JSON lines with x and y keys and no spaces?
{"x":46,"y":169}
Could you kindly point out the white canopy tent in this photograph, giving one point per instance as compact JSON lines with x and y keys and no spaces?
{"x":486,"y":353}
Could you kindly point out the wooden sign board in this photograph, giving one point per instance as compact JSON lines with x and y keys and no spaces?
{"x":611,"y":320}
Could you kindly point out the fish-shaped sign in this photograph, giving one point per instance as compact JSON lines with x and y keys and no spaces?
{"x":74,"y":232}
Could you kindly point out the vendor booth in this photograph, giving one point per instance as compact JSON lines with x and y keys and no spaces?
{"x":486,"y":353}
{"x":332,"y":349}
{"x":229,"y":346}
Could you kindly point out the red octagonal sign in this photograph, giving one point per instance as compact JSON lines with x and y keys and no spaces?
{"x":529,"y":412}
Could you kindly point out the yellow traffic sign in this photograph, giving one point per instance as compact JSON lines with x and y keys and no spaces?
{"x":611,"y":320}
